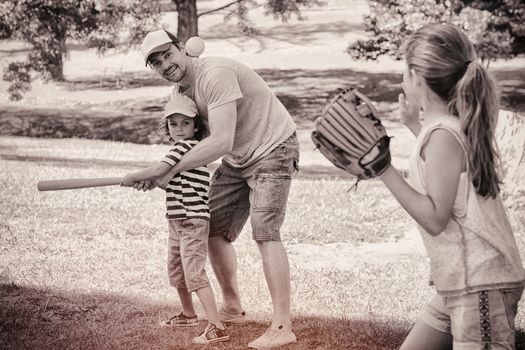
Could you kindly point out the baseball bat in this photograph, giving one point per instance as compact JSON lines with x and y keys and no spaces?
{"x":69,"y":184}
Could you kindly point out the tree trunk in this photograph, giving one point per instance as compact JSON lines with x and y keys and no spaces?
{"x":187,"y":19}
{"x":53,"y":60}
{"x":55,"y":65}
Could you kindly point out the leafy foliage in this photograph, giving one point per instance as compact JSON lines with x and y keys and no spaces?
{"x":47,"y":25}
{"x":496,"y":28}
{"x":239,"y":10}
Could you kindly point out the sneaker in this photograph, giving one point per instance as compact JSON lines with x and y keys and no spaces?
{"x":181,"y":320}
{"x":273,"y":338}
{"x":232,"y":318}
{"x":211,"y":335}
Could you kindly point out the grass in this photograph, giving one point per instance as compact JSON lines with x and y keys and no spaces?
{"x":85,"y":269}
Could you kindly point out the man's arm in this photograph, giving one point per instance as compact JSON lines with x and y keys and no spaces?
{"x":221,"y":122}
{"x":150,"y":173}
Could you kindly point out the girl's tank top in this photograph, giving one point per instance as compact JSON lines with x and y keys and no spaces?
{"x":477,"y":249}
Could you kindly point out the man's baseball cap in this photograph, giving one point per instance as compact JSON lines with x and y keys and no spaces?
{"x":156,"y":41}
{"x":180,"y":104}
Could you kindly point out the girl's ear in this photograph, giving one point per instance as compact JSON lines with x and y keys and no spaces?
{"x":416,"y":78}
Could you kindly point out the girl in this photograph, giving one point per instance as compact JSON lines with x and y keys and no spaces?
{"x":454,"y":195}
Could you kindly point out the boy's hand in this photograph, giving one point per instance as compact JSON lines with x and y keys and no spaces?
{"x":144,"y":186}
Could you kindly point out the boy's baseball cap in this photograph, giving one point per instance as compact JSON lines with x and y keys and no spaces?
{"x":180,"y":104}
{"x":156,"y":41}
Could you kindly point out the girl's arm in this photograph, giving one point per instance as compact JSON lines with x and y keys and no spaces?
{"x":444,"y":163}
{"x":150,"y":173}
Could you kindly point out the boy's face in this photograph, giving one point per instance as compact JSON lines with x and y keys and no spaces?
{"x":181,"y":127}
{"x":169,"y":64}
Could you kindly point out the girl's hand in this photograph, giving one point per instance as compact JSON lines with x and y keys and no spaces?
{"x":409,"y":114}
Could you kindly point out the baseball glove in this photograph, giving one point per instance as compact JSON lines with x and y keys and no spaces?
{"x":350,"y":135}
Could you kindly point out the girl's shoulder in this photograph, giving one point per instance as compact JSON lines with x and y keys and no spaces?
{"x":444,"y":121}
{"x":447,"y":123}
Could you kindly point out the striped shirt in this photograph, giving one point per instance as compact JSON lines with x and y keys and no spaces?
{"x":187,"y":192}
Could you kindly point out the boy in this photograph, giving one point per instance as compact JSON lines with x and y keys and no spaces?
{"x":188,"y":216}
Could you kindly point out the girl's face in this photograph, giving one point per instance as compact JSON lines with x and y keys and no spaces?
{"x":181,"y":127}
{"x":410,"y":86}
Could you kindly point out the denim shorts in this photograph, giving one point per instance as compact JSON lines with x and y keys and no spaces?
{"x":481,"y":320}
{"x":187,"y":254}
{"x":259,"y":191}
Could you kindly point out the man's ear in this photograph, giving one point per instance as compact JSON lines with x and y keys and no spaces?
{"x":182,"y":49}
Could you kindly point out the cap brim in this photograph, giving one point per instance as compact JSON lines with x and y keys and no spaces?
{"x":183,"y":112}
{"x":161,"y":48}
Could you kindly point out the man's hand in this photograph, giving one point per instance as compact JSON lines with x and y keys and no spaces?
{"x":162,"y":182}
{"x":128,"y":181}
{"x":146,"y":185}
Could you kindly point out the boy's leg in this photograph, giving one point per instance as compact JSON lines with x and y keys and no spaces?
{"x":207,"y":300}
{"x":186,"y":302}
{"x":229,"y":211}
{"x":432,"y":330}
{"x":177,"y":278}
{"x":194,"y":251}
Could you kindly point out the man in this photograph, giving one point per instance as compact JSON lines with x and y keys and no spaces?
{"x":255,"y":136}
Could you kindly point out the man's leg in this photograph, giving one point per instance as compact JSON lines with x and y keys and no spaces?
{"x":229,"y":211}
{"x":270,"y":186}
{"x":223,"y":260}
{"x":277,"y":274}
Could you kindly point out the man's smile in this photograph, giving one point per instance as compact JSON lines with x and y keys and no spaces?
{"x":170,"y":70}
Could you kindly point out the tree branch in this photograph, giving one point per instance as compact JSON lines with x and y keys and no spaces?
{"x":220,"y":8}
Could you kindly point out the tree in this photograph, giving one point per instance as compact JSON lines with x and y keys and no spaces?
{"x":187,"y":15}
{"x":497,"y":28}
{"x":48,"y":25}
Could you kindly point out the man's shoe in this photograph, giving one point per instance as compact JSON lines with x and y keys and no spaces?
{"x":180,"y":320}
{"x":232,"y":318}
{"x":273,"y":338}
{"x":211,"y":335}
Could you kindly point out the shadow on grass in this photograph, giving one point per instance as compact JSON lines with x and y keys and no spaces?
{"x":33,"y":318}
{"x":303,"y":92}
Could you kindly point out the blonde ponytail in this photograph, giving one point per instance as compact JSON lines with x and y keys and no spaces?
{"x":477,"y":105}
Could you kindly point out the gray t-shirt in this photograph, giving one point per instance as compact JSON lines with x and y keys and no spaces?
{"x":262,"y":120}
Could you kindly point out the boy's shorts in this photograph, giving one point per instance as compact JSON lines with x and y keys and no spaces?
{"x":259,"y":191}
{"x":482,"y":320}
{"x":187,"y":253}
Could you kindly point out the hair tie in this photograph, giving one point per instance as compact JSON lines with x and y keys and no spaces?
{"x":467,"y":63}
